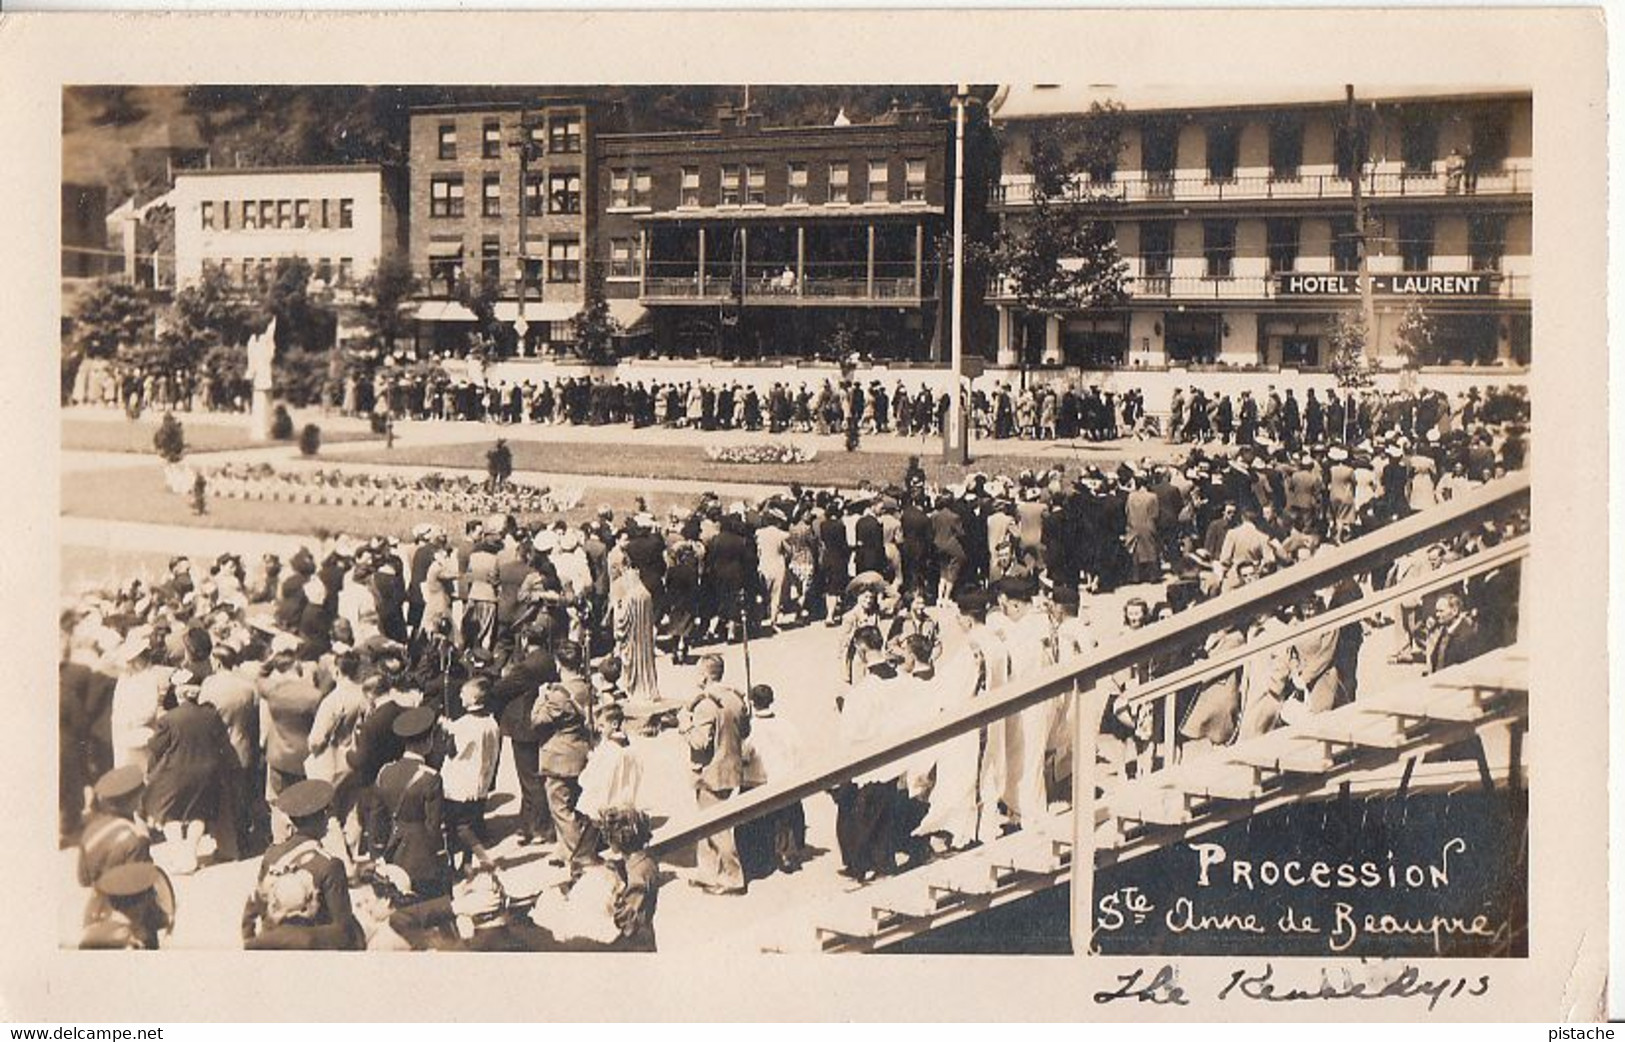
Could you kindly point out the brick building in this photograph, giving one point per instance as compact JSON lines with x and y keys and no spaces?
{"x":1237,"y":220}
{"x":747,"y":241}
{"x":502,"y":190}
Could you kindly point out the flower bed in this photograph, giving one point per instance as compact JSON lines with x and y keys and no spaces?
{"x":768,"y":453}
{"x":453,"y":494}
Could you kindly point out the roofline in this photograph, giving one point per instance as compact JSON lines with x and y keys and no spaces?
{"x":1510,"y":94}
{"x":450,"y":107}
{"x":717,"y":134}
{"x":230,"y":171}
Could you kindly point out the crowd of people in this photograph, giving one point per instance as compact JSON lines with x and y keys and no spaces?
{"x":343,"y":713}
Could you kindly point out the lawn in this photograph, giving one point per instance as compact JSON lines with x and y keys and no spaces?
{"x":135,"y":436}
{"x":138,"y":494}
{"x":689,"y":462}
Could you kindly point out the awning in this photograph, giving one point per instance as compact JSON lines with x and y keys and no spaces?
{"x":446,"y":249}
{"x":443,"y":311}
{"x":538,"y":310}
{"x":632,"y":316}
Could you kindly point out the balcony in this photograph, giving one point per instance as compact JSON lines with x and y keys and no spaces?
{"x":774,"y":292}
{"x":1016,"y":190}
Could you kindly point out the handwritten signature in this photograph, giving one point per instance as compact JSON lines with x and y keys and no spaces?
{"x":1162,"y":988}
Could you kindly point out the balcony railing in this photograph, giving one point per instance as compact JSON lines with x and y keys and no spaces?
{"x":1377,"y":185}
{"x":721,"y":288}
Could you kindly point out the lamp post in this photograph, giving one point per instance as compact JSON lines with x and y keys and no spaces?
{"x":955,"y":436}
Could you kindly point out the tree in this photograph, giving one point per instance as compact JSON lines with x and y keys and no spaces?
{"x":1414,"y":339}
{"x":112,"y":313}
{"x":304,"y":322}
{"x":1061,"y":255}
{"x":382,"y":300}
{"x":1349,"y":363}
{"x":596,"y":330}
{"x":207,"y":314}
{"x":479,"y":294}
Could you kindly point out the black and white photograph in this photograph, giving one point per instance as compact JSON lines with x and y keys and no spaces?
{"x":731,"y":521}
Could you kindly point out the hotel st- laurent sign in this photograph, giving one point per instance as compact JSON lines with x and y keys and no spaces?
{"x":1403,"y":284}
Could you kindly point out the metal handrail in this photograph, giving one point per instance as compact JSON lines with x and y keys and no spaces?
{"x":1243,"y":605}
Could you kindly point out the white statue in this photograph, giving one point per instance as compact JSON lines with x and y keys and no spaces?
{"x":261,"y":353}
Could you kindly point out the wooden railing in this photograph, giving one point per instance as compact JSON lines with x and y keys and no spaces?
{"x":1070,"y":679}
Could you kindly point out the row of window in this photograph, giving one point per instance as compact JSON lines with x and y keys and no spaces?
{"x":1418,"y":140}
{"x":257,"y":271}
{"x":558,"y":192}
{"x":745,"y":184}
{"x":270,"y":214}
{"x":562,"y":264}
{"x":561,"y":135}
{"x":1413,"y":241}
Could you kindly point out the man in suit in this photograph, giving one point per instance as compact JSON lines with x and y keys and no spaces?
{"x":412,"y":797}
{"x":717,"y":726}
{"x":513,"y":697}
{"x":301,"y":899}
{"x":1141,"y":513}
{"x":85,"y":737}
{"x":1455,"y":636}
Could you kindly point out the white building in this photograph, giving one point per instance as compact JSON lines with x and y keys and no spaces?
{"x":339,"y":218}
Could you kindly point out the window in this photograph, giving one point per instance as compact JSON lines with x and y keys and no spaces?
{"x":301,"y":213}
{"x":535,"y":196}
{"x":324,"y":270}
{"x":1281,"y":236}
{"x":1157,"y":248}
{"x":491,"y":195}
{"x":796,"y":180}
{"x":491,"y":140}
{"x":1219,"y":247}
{"x":445,"y":271}
{"x":1415,"y":242}
{"x":346,"y":271}
{"x":564,"y":192}
{"x":446,"y":196}
{"x":690,"y":195}
{"x":347,"y":208}
{"x":875,"y":189}
{"x":225,"y":214}
{"x":1159,"y":149}
{"x":326,"y":218}
{"x":267,"y":214}
{"x":206,"y":212}
{"x":914,"y":181}
{"x":756,"y":185}
{"x":629,"y":188}
{"x":448,"y":141}
{"x":563,"y":260}
{"x":1486,"y":240}
{"x":1349,"y":145}
{"x":729,"y":180}
{"x":1418,"y":140}
{"x":532,"y":267}
{"x":625,"y":260}
{"x":251,"y":219}
{"x":1345,"y":245}
{"x":1491,"y":138}
{"x":564,"y":134}
{"x":1286,"y":148}
{"x":1223,"y":151}
{"x":838,"y":173}
{"x":284,"y":213}
{"x":491,"y":257}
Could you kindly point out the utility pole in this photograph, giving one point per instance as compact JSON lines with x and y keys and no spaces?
{"x":955,"y":449}
{"x":1357,"y":146}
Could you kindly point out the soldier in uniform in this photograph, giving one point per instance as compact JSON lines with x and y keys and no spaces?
{"x":112,"y":836}
{"x":302,"y":898}
{"x":134,"y":905}
{"x":412,"y":800}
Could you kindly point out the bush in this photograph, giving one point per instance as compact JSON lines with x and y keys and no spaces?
{"x":281,"y":424}
{"x":310,"y":439}
{"x":170,"y":440}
